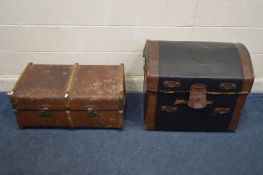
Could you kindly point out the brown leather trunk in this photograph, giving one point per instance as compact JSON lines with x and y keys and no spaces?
{"x":70,"y":96}
{"x":195,"y":86}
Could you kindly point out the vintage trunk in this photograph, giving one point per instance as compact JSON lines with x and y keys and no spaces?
{"x":70,"y":96}
{"x":195,"y":86}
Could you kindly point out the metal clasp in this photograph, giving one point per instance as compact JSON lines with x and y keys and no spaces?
{"x":169,"y":108}
{"x":91,"y":112}
{"x":197,"y":98}
{"x":171,"y":84}
{"x":227,"y":86}
{"x":44,"y":111}
{"x":10,"y":93}
{"x":222,"y":111}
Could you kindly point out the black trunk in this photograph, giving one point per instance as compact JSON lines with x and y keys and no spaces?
{"x":195,"y":86}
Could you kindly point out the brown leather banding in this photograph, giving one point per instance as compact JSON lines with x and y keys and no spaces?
{"x":248,"y":72}
{"x":248,"y":75}
{"x":152,"y":66}
{"x":69,"y":86}
{"x":152,"y":83}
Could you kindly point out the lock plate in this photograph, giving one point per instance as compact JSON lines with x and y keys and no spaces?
{"x":197,"y":98}
{"x":169,"y":108}
{"x":91,"y":112}
{"x":222,"y":111}
{"x":171,"y":84}
{"x":45,"y":112}
{"x":228,"y":86}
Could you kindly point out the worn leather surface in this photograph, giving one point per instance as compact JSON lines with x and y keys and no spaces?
{"x":42,"y":85}
{"x":98,"y":86}
{"x":70,"y":96}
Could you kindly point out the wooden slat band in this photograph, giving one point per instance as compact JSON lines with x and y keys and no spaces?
{"x":121,"y":119}
{"x":152,"y":72}
{"x":70,"y":83}
{"x":122,"y":95}
{"x":69,"y":119}
{"x":248,"y":75}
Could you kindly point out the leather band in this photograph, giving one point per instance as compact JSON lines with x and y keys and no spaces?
{"x":70,"y":84}
{"x":248,"y":75}
{"x":152,"y":83}
{"x":122,"y":87}
{"x":69,"y":119}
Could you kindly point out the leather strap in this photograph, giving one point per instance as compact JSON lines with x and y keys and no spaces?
{"x":248,"y":75}
{"x":152,"y":82}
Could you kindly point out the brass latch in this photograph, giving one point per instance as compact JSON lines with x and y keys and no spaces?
{"x":228,"y":86}
{"x":91,"y":112}
{"x":169,"y":108}
{"x":171,"y":84}
{"x":222,"y":111}
{"x":45,"y":111}
{"x":197,"y":97}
